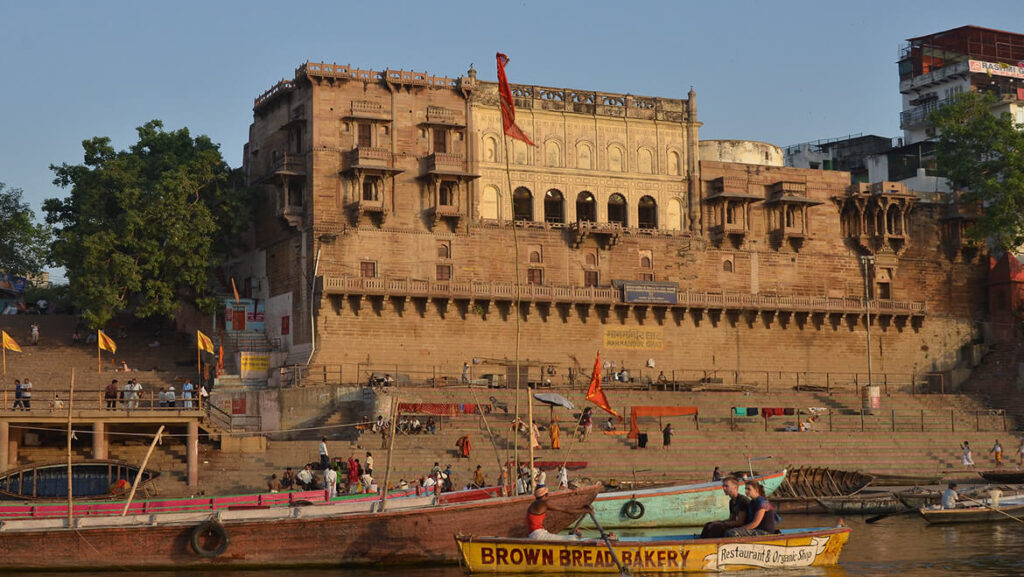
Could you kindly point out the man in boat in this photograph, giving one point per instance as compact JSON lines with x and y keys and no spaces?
{"x":761,"y":516}
{"x":738,"y":505}
{"x":538,"y":511}
{"x":950,"y":497}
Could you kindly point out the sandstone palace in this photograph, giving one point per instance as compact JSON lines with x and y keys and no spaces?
{"x":389,"y":236}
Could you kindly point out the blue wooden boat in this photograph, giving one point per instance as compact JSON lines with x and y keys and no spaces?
{"x":673,"y":506}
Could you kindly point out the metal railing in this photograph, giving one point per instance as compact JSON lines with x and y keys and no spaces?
{"x":58,"y":402}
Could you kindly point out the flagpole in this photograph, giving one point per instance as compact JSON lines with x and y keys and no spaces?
{"x":518,"y":297}
{"x":4,"y":347}
{"x":199,"y":366}
{"x":99,"y":356}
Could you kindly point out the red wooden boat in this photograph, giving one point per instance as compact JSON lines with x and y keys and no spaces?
{"x":37,"y":510}
{"x":281,"y":536}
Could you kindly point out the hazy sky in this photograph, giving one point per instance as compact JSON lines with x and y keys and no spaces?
{"x":781,"y":72}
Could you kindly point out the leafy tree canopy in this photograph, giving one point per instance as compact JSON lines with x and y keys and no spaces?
{"x":141,"y":226}
{"x":24,"y":244}
{"x":983,"y":155}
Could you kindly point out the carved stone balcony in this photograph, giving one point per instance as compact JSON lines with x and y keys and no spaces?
{"x":607,"y":232}
{"x":368,"y":158}
{"x":289,"y":165}
{"x":445,"y":164}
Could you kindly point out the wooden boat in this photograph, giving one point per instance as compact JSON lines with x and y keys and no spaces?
{"x":892,"y":480}
{"x":1008,"y":476}
{"x":667,"y":554}
{"x":672,"y":506}
{"x":814,"y":482}
{"x":978,"y":514}
{"x":90,"y":480}
{"x":878,"y":503}
{"x":283,"y":536}
{"x":569,"y":465}
{"x":36,"y":510}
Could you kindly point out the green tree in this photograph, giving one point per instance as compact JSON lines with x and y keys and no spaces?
{"x":141,"y":225}
{"x":24,"y":244}
{"x":983,"y":155}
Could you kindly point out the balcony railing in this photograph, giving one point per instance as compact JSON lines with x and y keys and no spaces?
{"x":368,"y":157}
{"x":486,"y":290}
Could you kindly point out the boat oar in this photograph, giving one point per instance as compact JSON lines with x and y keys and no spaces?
{"x":877,"y":518}
{"x":604,"y":536}
{"x":996,"y":509}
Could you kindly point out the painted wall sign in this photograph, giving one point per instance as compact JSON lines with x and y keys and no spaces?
{"x":634,"y":339}
{"x":997,"y":69}
{"x":650,"y":292}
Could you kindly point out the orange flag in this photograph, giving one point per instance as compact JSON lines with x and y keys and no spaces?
{"x":203,"y":342}
{"x":106,"y":343}
{"x":9,"y":344}
{"x":594,"y":393}
{"x":508,"y":106}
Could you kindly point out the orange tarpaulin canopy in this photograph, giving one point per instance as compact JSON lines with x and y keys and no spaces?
{"x":635,"y":412}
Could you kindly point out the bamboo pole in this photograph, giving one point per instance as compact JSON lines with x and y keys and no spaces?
{"x":99,"y":355}
{"x":518,"y":285}
{"x":391,"y":450}
{"x":138,"y":476}
{"x":71,"y":402}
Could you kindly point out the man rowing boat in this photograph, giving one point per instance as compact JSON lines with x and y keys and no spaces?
{"x":539,"y":510}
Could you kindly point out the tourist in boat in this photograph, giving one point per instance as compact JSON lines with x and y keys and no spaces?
{"x":538,"y":511}
{"x":716,"y":475}
{"x":997,"y":452}
{"x":950,"y":497}
{"x":761,"y":517}
{"x":554,"y":432}
{"x":738,"y":506}
{"x":966,"y":458}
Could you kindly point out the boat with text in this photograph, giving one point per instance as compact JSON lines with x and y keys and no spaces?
{"x":663,"y":554}
{"x":673,"y":506}
{"x":409,"y":530}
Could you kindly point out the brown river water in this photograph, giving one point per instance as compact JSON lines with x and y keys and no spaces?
{"x":900,"y":545}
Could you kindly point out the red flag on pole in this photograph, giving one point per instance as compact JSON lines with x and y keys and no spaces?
{"x":594,"y":393}
{"x":508,"y":107}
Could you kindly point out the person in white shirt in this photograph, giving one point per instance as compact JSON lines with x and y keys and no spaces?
{"x":305,"y":478}
{"x":949,"y":497}
{"x":324,"y":458}
{"x":368,"y":464}
{"x":331,"y":482}
{"x":136,"y":392}
{"x":563,"y":477}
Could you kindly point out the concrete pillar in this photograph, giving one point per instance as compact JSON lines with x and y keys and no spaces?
{"x":99,"y":440}
{"x":192,"y":452}
{"x":5,"y":434}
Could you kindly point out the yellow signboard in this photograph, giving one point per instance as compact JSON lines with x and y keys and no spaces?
{"x":634,"y":339}
{"x":254,"y":365}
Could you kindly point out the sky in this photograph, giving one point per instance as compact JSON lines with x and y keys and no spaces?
{"x":780,"y":72}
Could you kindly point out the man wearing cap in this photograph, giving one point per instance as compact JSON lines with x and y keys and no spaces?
{"x":537,"y":512}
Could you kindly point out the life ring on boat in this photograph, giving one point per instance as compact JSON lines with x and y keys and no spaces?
{"x":633,"y":509}
{"x":212,"y":527}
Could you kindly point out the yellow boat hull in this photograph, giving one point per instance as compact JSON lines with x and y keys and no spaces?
{"x":669,"y":555}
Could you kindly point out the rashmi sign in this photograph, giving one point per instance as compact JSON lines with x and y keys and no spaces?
{"x":997,"y":69}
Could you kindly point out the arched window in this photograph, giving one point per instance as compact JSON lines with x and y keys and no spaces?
{"x":443,"y":251}
{"x":673,"y":163}
{"x":490,"y":203}
{"x":726,"y":266}
{"x":371,"y":188}
{"x":674,"y":214}
{"x":554,"y":206}
{"x":893,"y":222}
{"x":851,"y":220}
{"x":535,"y":256}
{"x":647,"y":213}
{"x":584,"y":155}
{"x":552,"y":154}
{"x":586,"y":207}
{"x":645,"y":262}
{"x":491,"y":152}
{"x":616,"y":158}
{"x":446,"y":194}
{"x":522,"y":204}
{"x":519,"y":152}
{"x":644,"y":161}
{"x":617,"y":209}
{"x":591,"y":259}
